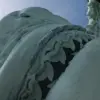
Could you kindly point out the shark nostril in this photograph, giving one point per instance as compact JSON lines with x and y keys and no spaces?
{"x":24,"y":15}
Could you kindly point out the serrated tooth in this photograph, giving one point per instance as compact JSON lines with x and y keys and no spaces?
{"x":56,"y":48}
{"x":50,"y":45}
{"x":49,"y":71}
{"x":60,"y":56}
{"x":55,"y":58}
{"x":57,"y":54}
{"x":51,"y":54}
{"x":38,"y":92}
{"x":69,"y":44}
{"x":42,"y":76}
{"x":79,"y":39}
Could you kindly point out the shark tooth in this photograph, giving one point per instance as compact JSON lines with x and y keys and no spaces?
{"x":38,"y":92}
{"x":48,"y":72}
{"x":78,"y":39}
{"x":53,"y":52}
{"x":42,"y":77}
{"x":69,"y":44}
{"x":60,"y":56}
{"x":50,"y":45}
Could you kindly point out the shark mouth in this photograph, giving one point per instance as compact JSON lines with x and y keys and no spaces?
{"x":55,"y":52}
{"x":57,"y":67}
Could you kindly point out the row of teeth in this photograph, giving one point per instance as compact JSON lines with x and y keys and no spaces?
{"x":56,"y":54}
{"x":53,"y":52}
